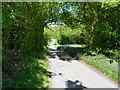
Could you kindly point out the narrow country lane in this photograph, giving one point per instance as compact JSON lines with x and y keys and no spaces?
{"x":68,"y":73}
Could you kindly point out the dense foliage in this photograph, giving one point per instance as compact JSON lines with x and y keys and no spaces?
{"x":23,"y":37}
{"x":69,"y":36}
{"x":26,"y":30}
{"x":100,"y":23}
{"x":95,"y":24}
{"x":100,"y":32}
{"x":64,"y":34}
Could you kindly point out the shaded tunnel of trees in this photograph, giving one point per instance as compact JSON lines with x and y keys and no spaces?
{"x":24,"y":24}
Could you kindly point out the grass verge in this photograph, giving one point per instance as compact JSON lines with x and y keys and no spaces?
{"x":101,"y":62}
{"x":29,"y":72}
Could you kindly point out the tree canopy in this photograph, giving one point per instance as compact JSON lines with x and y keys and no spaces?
{"x":25,"y":27}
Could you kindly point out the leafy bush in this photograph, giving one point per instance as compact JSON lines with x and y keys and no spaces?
{"x":24,"y":44}
{"x":31,"y":72}
{"x":71,"y":37}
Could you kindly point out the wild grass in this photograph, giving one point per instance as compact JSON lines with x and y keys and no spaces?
{"x":103,"y":64}
{"x":30,"y":72}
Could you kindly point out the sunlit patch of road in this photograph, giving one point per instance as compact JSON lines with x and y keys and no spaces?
{"x":73,"y":73}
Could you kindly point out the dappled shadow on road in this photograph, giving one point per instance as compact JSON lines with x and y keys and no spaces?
{"x":52,"y":53}
{"x":64,"y":56}
{"x":72,"y":50}
{"x":60,"y":55}
{"x":71,"y":85}
{"x":51,"y":49}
